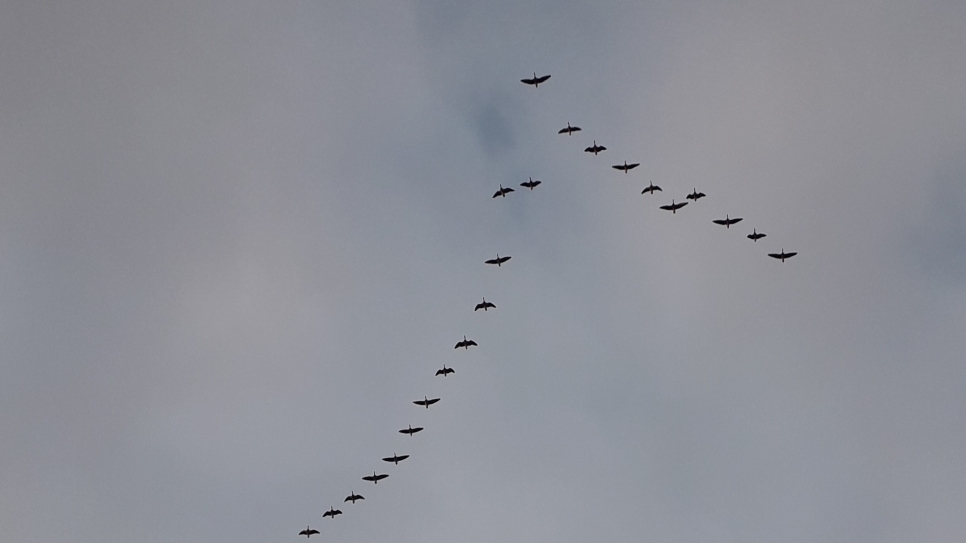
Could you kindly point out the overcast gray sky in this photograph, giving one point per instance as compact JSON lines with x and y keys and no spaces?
{"x":237,"y":239}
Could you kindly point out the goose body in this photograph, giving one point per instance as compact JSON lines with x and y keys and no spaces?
{"x":595,"y":148}
{"x":727,"y":221}
{"x":536,"y":80}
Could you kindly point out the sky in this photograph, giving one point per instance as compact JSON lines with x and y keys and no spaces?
{"x":237,"y":239}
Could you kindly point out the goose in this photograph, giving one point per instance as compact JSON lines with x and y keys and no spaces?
{"x":426,"y":402}
{"x":695,"y":195}
{"x":376,"y":478}
{"x":651,"y":188}
{"x":536,"y":80}
{"x":595,"y":148}
{"x":445,"y":371}
{"x":626,"y":166}
{"x":569,"y":130}
{"x":332,"y":512}
{"x":395,"y":459}
{"x":484,"y":305}
{"x":410,"y":431}
{"x":502,"y":192}
{"x":782,"y":255}
{"x":755,"y":236}
{"x":531,"y":183}
{"x":307,"y":532}
{"x":466,"y":343}
{"x":673,"y":208}
{"x":353,"y":497}
{"x":727,"y":221}
{"x":498,"y":260}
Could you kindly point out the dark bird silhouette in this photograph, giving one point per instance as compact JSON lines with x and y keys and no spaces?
{"x":332,"y":512}
{"x":395,"y":458}
{"x":502,"y":192}
{"x":484,"y":305}
{"x":467,"y":343}
{"x":569,"y":130}
{"x":755,"y":236}
{"x":695,"y":195}
{"x":307,"y":532}
{"x":445,"y":371}
{"x":498,"y":260}
{"x":531,"y":183}
{"x":651,"y":188}
{"x":595,"y":148}
{"x":353,"y":497}
{"x":536,"y":80}
{"x":626,"y":166}
{"x":376,"y":478}
{"x":426,"y":402}
{"x":727,"y":221}
{"x":673,"y":208}
{"x":782,"y":255}
{"x":410,"y":430}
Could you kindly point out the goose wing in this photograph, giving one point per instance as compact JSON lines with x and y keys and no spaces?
{"x":720,"y":221}
{"x":541,"y":79}
{"x":503,"y":259}
{"x":471,"y":343}
{"x":789,"y":255}
{"x":431,"y":401}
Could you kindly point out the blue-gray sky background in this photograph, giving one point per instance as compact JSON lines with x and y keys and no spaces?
{"x":238,"y":238}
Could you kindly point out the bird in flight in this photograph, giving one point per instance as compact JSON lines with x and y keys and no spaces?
{"x":498,"y":260}
{"x":467,"y":343}
{"x":353,"y":497}
{"x":332,"y":512}
{"x":695,"y":195}
{"x":595,"y":148}
{"x":626,"y":166}
{"x":502,"y":192}
{"x":484,"y":305}
{"x":651,"y":188}
{"x":531,"y":183}
{"x":727,"y":221}
{"x":673,"y":208}
{"x":410,"y":431}
{"x":536,"y":80}
{"x":376,"y":478}
{"x":755,"y":235}
{"x":307,"y":532}
{"x":569,"y":130}
{"x":782,"y":255}
{"x":426,"y":402}
{"x":445,"y":371}
{"x":395,"y":459}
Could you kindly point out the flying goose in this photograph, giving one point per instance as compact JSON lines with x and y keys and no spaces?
{"x":307,"y":532}
{"x":502,"y":192}
{"x":727,"y":221}
{"x":626,"y":166}
{"x":484,"y":305}
{"x":332,"y":512}
{"x":395,"y":459}
{"x":651,"y":188}
{"x":695,"y":195}
{"x":410,"y":431}
{"x":755,"y":236}
{"x":353,"y":497}
{"x":673,"y":208}
{"x":376,"y":478}
{"x":536,"y":80}
{"x":595,"y":149}
{"x":426,"y":402}
{"x":467,"y":343}
{"x":531,"y":183}
{"x":782,"y":255}
{"x":445,"y":371}
{"x":569,"y":130}
{"x":498,"y":260}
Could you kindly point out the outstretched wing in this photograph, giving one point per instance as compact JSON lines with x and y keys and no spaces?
{"x":529,"y":81}
{"x":542,"y":79}
{"x":776,"y":255}
{"x":722,"y":222}
{"x":619,"y":167}
{"x":431,"y":401}
{"x":789,"y":255}
{"x":471,"y":343}
{"x":632,"y":166}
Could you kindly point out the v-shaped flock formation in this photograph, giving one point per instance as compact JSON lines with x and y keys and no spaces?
{"x":465,"y":343}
